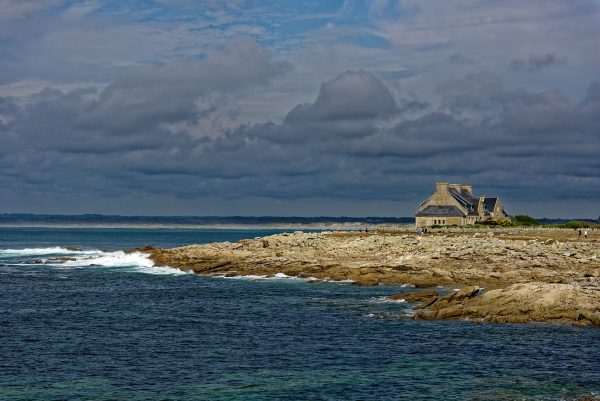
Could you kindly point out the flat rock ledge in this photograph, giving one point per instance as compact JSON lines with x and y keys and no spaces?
{"x":526,"y":279}
{"x":519,"y":303}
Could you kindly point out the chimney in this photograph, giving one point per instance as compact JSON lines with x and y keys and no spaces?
{"x":441,"y":186}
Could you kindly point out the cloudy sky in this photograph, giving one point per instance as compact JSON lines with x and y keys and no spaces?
{"x":297,"y":107}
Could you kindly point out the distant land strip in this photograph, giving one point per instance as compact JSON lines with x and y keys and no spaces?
{"x":23,"y":219}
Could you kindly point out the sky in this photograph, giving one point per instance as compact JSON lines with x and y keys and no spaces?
{"x":297,"y":107}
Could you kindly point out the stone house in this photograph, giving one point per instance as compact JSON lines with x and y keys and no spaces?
{"x":455,"y":204}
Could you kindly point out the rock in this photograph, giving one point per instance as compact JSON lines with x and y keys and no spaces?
{"x":425,"y":297}
{"x":441,"y":273}
{"x":520,"y":303}
{"x":366,"y":279}
{"x":455,"y":298}
{"x":60,"y":259}
{"x":415,"y":296}
{"x":424,"y":261}
{"x":429,"y":281}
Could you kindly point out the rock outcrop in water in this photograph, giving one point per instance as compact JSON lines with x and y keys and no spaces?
{"x":520,"y":303}
{"x":530,"y":278}
{"x":424,"y":297}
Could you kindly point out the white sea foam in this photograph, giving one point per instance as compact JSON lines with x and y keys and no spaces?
{"x":283,"y":276}
{"x":161,"y":270}
{"x":409,"y":313}
{"x":246,"y":277}
{"x":112,"y":259}
{"x":277,"y":276}
{"x":57,"y":250}
{"x":339,"y":281}
{"x":134,"y":261}
{"x":386,"y":299}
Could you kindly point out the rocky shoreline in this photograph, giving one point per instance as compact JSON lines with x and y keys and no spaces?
{"x":508,"y":277}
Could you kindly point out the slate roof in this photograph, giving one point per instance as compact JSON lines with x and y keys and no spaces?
{"x":466,"y":199}
{"x":490,"y":204}
{"x":440,"y":211}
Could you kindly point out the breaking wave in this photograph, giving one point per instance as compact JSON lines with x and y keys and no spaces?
{"x":57,"y":250}
{"x":65,"y":258}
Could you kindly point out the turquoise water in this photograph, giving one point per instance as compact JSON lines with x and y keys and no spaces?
{"x":107,"y":326}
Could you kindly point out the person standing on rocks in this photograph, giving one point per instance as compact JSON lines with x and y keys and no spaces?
{"x":585,"y":234}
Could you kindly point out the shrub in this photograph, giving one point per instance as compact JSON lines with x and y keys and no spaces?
{"x":576,"y":224}
{"x":498,"y":222}
{"x":525,"y":220}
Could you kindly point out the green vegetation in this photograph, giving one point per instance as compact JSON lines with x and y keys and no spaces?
{"x":516,"y":221}
{"x":574,"y":224}
{"x":499,"y":222}
{"x":525,"y":220}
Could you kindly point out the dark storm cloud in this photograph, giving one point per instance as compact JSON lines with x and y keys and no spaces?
{"x":355,"y":141}
{"x":352,"y":96}
{"x":536,"y":63}
{"x":166,"y":93}
{"x":524,"y":140}
{"x":477,"y":91}
{"x":132,"y":112}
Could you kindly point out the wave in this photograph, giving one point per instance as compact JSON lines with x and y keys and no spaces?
{"x":112,"y":259}
{"x":386,"y":300}
{"x":65,"y":259}
{"x":134,"y":261}
{"x":57,"y":250}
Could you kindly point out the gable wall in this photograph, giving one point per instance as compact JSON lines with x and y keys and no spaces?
{"x":442,"y":197}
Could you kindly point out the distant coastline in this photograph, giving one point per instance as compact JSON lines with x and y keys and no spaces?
{"x":266,"y":226}
{"x":99,"y":221}
{"x":200,"y":222}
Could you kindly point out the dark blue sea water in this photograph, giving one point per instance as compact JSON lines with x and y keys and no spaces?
{"x":105,"y":325}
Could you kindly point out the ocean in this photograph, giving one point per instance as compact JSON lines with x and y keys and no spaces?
{"x":106,"y":325}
